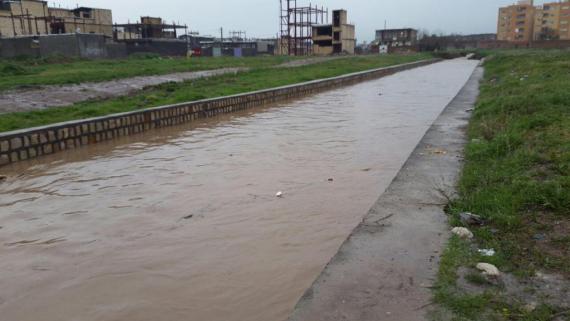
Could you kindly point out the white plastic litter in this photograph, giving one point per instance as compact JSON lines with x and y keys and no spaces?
{"x":462,"y":232}
{"x":488,"y":269}
{"x":487,"y":252}
{"x":279,"y":194}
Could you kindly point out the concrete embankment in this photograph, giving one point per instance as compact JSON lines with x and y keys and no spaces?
{"x":34,"y":142}
{"x":385,"y":268}
{"x":182,"y":223}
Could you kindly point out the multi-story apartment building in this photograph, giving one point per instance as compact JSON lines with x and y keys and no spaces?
{"x":516,"y":22}
{"x":524,"y":22}
{"x":564,"y":23}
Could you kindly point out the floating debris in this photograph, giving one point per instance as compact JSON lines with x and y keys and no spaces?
{"x":279,"y":194}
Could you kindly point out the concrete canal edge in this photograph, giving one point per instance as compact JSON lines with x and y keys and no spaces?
{"x":384,"y":270}
{"x":34,"y":142}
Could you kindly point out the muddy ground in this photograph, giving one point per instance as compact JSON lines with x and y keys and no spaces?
{"x":58,"y":96}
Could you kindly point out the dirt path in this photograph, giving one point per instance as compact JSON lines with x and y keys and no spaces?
{"x":384,"y":270}
{"x":57,"y":96}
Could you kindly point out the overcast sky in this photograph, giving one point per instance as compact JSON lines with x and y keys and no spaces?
{"x":259,"y":18}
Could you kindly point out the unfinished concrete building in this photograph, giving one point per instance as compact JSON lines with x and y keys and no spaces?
{"x":148,"y":28}
{"x":81,"y":20}
{"x":335,"y":38}
{"x":23,"y":18}
{"x":397,"y":40}
{"x":33,"y":17}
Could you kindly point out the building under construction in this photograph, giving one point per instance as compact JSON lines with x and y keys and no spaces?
{"x":296,"y":24}
{"x":335,"y":38}
{"x":148,"y":28}
{"x":35,"y":18}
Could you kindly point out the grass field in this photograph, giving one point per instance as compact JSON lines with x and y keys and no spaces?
{"x":16,"y":73}
{"x":517,"y":176}
{"x":256,"y":79}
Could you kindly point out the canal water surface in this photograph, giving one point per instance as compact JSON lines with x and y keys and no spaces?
{"x":184,"y":223}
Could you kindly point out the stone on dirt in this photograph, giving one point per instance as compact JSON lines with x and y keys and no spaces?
{"x":488,"y":269}
{"x":462,"y":232}
{"x":471,"y":219}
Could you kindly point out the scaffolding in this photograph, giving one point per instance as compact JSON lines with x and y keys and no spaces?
{"x":238,"y":35}
{"x":148,"y":28}
{"x":297,"y":26}
{"x":23,"y":23}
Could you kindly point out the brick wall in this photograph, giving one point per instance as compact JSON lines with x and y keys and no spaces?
{"x":35,"y":142}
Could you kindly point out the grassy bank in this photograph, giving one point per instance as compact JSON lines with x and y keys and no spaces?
{"x":256,"y":79}
{"x":517,"y":176}
{"x":16,"y":73}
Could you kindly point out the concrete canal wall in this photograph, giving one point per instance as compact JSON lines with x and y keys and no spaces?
{"x":35,"y":142}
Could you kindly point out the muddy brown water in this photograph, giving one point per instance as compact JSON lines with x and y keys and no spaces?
{"x":183,"y":223}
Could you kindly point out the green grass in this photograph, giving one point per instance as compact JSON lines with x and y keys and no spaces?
{"x":517,"y":176}
{"x":256,"y":79}
{"x":23,"y":72}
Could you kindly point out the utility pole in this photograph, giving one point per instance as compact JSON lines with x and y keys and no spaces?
{"x":221,"y":35}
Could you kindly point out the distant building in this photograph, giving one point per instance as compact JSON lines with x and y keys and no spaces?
{"x":33,"y":17}
{"x":524,"y":22}
{"x":397,"y":40}
{"x":552,"y":21}
{"x":218,"y":48}
{"x":516,"y":22}
{"x":266,"y":46}
{"x":147,"y":28}
{"x":196,"y":41}
{"x":335,"y":38}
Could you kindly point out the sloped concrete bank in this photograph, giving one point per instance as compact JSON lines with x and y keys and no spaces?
{"x":34,"y":142}
{"x":385,"y":268}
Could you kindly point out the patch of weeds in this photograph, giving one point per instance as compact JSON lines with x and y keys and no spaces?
{"x":517,"y":177}
{"x":476,"y":278}
{"x":13,"y":70}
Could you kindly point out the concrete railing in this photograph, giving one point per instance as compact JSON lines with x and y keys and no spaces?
{"x":34,"y":142}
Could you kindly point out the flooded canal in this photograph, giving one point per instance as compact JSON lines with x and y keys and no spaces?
{"x":183,"y":223}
